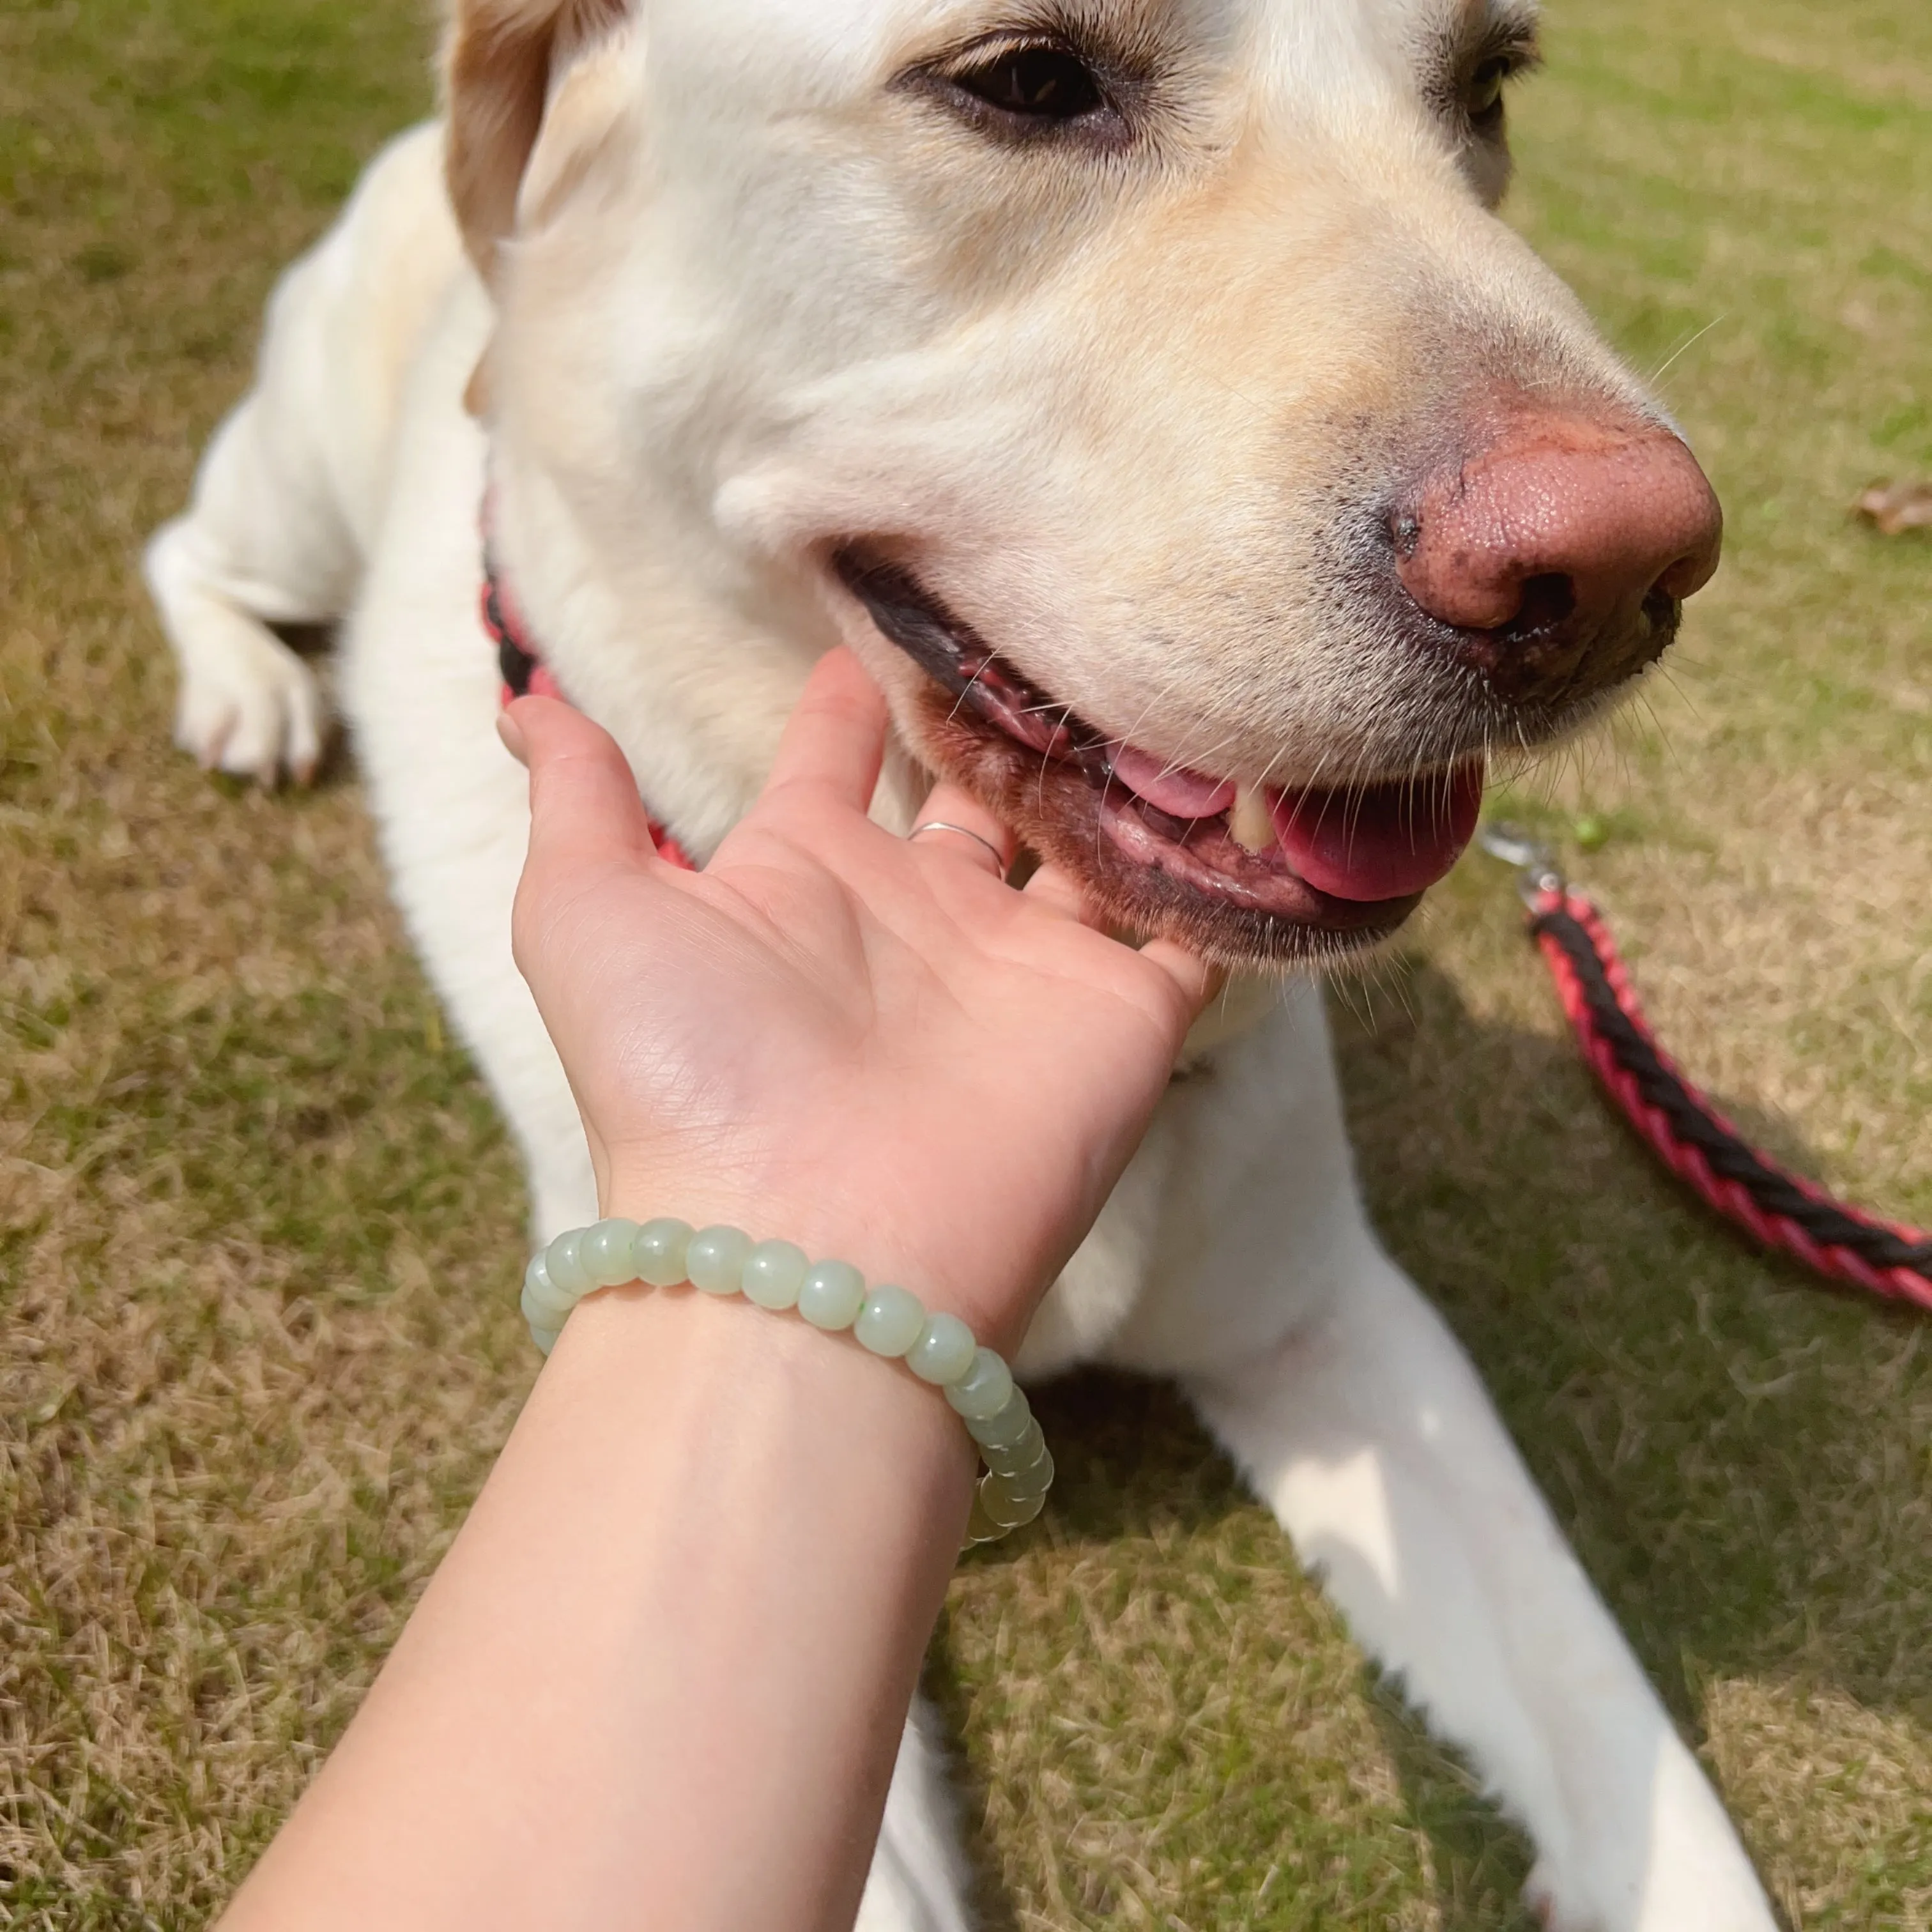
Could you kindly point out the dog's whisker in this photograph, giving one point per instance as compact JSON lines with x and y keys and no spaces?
{"x":1663,"y":368}
{"x":979,"y":673}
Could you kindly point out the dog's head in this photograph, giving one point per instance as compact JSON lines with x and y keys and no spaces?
{"x":1210,"y":476}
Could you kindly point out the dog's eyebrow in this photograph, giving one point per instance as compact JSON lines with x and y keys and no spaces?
{"x":1514,"y":23}
{"x":1132,"y":36}
{"x":1481,"y":29}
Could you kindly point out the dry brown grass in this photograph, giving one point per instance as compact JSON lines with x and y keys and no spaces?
{"x":258,"y":1229}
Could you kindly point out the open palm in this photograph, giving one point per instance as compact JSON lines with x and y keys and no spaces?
{"x":871,"y":1045}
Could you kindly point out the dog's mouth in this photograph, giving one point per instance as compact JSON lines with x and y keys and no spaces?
{"x":1246,"y":873}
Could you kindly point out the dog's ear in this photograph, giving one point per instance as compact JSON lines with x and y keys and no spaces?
{"x":502,"y":59}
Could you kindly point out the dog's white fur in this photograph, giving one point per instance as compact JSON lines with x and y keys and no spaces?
{"x":744,"y":297}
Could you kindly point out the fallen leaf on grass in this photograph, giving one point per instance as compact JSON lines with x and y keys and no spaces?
{"x":1896,"y":508}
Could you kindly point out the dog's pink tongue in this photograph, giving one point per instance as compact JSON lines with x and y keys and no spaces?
{"x":1384,"y":843}
{"x":1171,"y":788}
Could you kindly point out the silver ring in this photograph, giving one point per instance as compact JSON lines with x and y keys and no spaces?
{"x":944,"y":825}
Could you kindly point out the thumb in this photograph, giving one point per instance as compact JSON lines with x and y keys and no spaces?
{"x":585,"y":812}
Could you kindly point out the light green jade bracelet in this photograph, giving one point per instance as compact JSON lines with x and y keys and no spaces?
{"x":831,"y":1295}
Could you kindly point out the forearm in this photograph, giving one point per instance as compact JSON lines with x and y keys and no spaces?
{"x":659,"y":1679}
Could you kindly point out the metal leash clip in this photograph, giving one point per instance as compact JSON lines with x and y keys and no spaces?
{"x":1535,"y":862}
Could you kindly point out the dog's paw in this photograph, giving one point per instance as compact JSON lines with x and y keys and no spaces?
{"x":1554,"y":1905}
{"x":248,"y":705}
{"x":1715,"y":1895}
{"x":1654,"y":1852}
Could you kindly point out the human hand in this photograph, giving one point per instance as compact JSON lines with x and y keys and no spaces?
{"x":871,"y":1045}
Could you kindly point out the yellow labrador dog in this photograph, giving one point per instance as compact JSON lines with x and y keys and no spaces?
{"x":1147,"y":391}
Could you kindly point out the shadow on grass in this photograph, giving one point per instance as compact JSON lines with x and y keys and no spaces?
{"x":1709,"y":1426}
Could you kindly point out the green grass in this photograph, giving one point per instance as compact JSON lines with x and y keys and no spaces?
{"x":258,"y":1228}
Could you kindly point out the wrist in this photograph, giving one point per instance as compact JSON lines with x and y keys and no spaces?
{"x":993,"y":1292}
{"x":723,"y":1261}
{"x":731,"y":1359}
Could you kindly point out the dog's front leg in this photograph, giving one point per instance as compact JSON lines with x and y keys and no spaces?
{"x":919,"y":1880}
{"x":293,"y":485}
{"x":1371,"y":1437}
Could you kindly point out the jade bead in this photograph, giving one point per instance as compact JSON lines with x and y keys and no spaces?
{"x":544,"y":1338}
{"x":543,"y":1309}
{"x":773,"y":1273}
{"x":1033,"y":1480}
{"x":1007,"y":1509}
{"x":566,"y":1271}
{"x":980,"y":1528}
{"x":891,"y":1322}
{"x":715,"y":1260}
{"x":832,"y":1294}
{"x":604,"y":1253}
{"x":658,"y":1251}
{"x":1005,"y":1459}
{"x":1009,"y":1425}
{"x":944,"y":1351}
{"x":983,"y":1390}
{"x":543,"y":1301}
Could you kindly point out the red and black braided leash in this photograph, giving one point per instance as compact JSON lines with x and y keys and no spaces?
{"x":1691,"y":1138}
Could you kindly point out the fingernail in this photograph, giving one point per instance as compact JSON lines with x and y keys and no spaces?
{"x":511,"y":733}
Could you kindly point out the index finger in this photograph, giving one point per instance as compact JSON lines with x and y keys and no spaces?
{"x":835,"y":737}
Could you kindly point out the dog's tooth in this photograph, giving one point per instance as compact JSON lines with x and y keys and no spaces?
{"x":1249,"y":823}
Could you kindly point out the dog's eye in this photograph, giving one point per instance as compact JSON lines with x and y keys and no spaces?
{"x":1483,"y":98}
{"x":1033,"y":85}
{"x":1479,"y":95}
